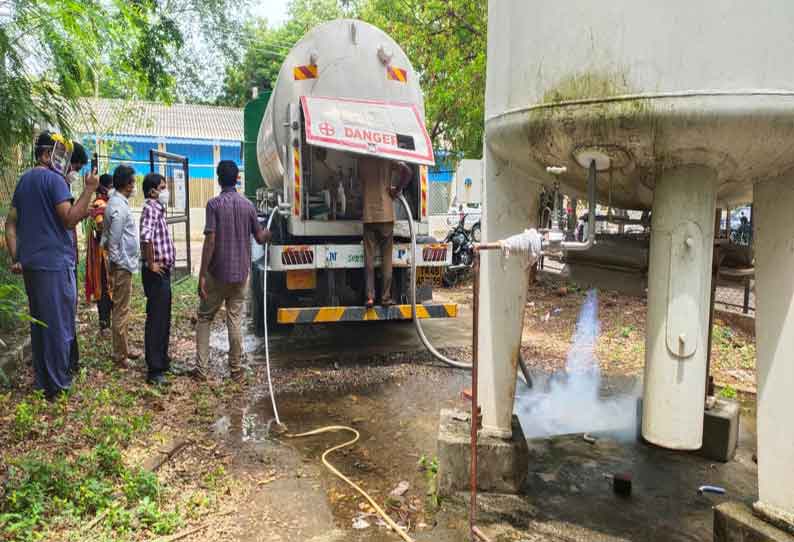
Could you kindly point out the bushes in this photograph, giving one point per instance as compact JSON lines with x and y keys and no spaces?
{"x":40,"y":491}
{"x":55,"y":489}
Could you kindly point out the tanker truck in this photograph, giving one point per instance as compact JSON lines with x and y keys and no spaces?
{"x":345,"y":90}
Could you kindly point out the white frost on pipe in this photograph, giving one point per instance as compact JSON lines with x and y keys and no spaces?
{"x":526,"y":244}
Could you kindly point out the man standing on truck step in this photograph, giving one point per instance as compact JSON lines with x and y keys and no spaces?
{"x":378,"y":217}
{"x":225,"y":262}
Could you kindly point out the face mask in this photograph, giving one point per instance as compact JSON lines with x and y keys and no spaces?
{"x":133,"y":193}
{"x":73,"y":177}
{"x":163,"y":197}
{"x":60,"y":157}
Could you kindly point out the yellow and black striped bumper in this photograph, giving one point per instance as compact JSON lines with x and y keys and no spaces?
{"x":319,"y":315}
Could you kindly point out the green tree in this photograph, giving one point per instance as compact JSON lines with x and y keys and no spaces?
{"x":265,"y":46}
{"x":446,"y":41}
{"x":53,"y":52}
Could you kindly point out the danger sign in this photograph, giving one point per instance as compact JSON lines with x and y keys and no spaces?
{"x":370,"y":136}
{"x":390,"y":130}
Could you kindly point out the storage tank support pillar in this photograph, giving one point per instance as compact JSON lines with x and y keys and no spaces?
{"x":511,"y":204}
{"x":682,"y":236}
{"x":773,"y":201}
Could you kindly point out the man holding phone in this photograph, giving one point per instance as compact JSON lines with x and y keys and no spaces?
{"x":158,"y":255}
{"x":41,"y":248}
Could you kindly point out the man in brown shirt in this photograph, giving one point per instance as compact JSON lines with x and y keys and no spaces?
{"x":378,"y":218}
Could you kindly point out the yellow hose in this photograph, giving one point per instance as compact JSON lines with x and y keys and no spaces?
{"x":390,"y":522}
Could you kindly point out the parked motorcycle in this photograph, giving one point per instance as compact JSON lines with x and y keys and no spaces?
{"x":462,"y":253}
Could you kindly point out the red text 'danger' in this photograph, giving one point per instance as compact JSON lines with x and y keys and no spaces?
{"x":370,"y":136}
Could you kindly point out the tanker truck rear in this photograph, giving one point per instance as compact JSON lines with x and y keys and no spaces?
{"x":345,"y":90}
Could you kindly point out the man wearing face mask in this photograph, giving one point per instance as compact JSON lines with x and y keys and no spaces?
{"x":120,"y":239}
{"x":158,"y":259}
{"x":40,"y":246}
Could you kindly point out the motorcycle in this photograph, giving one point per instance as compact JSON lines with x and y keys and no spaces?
{"x":462,"y":253}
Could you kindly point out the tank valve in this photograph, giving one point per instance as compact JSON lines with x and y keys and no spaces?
{"x":384,"y":56}
{"x":556,"y":170}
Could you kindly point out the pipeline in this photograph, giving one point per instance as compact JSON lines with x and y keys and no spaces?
{"x":264,"y":310}
{"x":519,"y":244}
{"x":389,"y":521}
{"x":419,"y":331}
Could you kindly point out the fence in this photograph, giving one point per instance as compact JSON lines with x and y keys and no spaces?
{"x":736,"y":296}
{"x":12,"y":165}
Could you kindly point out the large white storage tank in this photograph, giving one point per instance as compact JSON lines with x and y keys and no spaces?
{"x":683,"y":105}
{"x":340,"y":59}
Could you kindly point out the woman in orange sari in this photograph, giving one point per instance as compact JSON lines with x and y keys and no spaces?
{"x":96,"y":263}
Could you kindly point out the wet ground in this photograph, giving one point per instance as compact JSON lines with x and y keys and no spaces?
{"x":377,"y":380}
{"x":570,"y":488}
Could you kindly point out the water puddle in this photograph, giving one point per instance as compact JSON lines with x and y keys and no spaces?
{"x":398,"y":424}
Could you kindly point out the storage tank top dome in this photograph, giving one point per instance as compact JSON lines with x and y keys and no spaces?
{"x":343,"y":58}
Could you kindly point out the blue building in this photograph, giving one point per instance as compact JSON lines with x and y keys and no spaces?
{"x":124,"y":132}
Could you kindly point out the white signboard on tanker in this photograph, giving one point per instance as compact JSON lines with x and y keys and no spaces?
{"x":389,"y":130}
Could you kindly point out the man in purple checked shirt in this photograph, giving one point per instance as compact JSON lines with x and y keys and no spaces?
{"x":225,"y":262}
{"x":158,"y":259}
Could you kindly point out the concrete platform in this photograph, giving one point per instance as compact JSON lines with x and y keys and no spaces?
{"x":570,"y":490}
{"x":721,"y":431}
{"x":735,"y":522}
{"x":502,"y":464}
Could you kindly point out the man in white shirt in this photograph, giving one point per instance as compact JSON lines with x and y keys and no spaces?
{"x":120,"y":237}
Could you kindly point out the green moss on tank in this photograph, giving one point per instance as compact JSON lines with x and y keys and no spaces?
{"x":588,"y":85}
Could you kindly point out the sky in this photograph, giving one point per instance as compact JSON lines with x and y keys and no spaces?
{"x":275,"y":11}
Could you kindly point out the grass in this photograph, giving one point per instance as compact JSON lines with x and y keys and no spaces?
{"x":50,"y":484}
{"x":728,"y":392}
{"x":68,"y":462}
{"x":430,"y":467}
{"x":13,"y":302}
{"x":620,"y":348}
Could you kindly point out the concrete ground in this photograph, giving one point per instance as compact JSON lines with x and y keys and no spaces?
{"x":378,"y":380}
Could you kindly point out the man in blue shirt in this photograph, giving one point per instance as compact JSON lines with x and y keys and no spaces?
{"x":40,"y":246}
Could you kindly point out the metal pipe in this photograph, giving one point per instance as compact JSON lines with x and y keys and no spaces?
{"x":715,"y":275}
{"x":475,"y":407}
{"x":574,"y":246}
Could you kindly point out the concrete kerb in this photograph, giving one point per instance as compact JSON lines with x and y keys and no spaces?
{"x":735,"y":522}
{"x":11,"y":360}
{"x":503,"y":464}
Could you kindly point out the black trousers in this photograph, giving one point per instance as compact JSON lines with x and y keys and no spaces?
{"x":105,"y":304}
{"x":157,"y":333}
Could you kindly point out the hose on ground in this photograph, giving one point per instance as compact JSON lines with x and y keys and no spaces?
{"x":417,"y":322}
{"x":264,"y":310}
{"x":389,"y":521}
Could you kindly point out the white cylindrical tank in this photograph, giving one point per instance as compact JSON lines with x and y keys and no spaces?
{"x":350,"y":58}
{"x":688,"y":106}
{"x":653,"y":84}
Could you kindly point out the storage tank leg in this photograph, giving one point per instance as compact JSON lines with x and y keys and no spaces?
{"x":773,"y":202}
{"x":682,"y":236}
{"x":510,"y":206}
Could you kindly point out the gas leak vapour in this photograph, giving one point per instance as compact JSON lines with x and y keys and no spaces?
{"x":572,"y":402}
